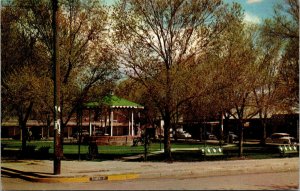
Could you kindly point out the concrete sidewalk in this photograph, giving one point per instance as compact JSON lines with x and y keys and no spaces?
{"x":85,"y":171}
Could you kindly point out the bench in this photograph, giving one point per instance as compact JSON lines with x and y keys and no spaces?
{"x":9,"y":148}
{"x":211,"y":152}
{"x":285,"y":150}
{"x":111,"y":140}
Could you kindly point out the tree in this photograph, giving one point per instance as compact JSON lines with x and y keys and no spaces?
{"x":138,"y":93}
{"x":266,"y":90}
{"x":234,"y":61}
{"x":86,"y":56}
{"x":284,"y":26}
{"x":160,"y":42}
{"x":240,"y":93}
{"x":88,"y":60}
{"x":22,"y":66}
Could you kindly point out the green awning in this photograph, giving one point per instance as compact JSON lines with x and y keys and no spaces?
{"x":114,"y":102}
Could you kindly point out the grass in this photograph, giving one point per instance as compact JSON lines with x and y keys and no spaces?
{"x":103,"y":149}
{"x":105,"y":152}
{"x":17,"y":143}
{"x":116,"y":152}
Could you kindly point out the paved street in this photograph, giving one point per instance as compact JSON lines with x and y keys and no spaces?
{"x":157,"y":169}
{"x":280,"y":173}
{"x":268,"y":181}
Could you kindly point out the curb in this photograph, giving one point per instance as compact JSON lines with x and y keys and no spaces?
{"x":67,"y":179}
{"x":123,"y":176}
{"x":194,"y":174}
{"x":82,"y":179}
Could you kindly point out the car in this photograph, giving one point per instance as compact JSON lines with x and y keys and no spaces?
{"x":232,"y":137}
{"x":83,"y":134}
{"x":210,"y":136}
{"x":98,"y":133}
{"x":183,"y":135}
{"x":281,"y":138}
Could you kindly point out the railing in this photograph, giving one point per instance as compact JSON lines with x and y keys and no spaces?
{"x":211,"y":152}
{"x":286,"y":150}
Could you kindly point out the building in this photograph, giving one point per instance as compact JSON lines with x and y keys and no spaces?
{"x":109,"y":117}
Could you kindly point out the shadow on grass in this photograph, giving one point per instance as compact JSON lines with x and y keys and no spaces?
{"x":229,"y":154}
{"x":136,"y":154}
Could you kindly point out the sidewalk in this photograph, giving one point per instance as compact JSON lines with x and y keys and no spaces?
{"x":85,"y":171}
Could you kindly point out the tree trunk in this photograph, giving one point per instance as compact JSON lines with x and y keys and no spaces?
{"x":265,"y":130}
{"x":79,"y":126}
{"x":167,"y":140}
{"x":241,"y":139}
{"x":226,"y":129}
{"x":24,"y":135}
{"x":22,"y":123}
{"x":264,"y":133}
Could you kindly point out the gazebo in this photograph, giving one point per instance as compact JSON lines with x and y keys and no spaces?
{"x":117,"y":115}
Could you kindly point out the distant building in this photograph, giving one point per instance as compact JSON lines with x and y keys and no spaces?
{"x":282,"y":123}
{"x":117,"y":117}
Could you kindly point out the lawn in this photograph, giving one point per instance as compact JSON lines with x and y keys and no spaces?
{"x":182,"y":154}
{"x":102,"y":149}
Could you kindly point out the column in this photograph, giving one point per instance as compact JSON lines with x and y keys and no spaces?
{"x":132,"y":122}
{"x":129,"y":124}
{"x":90,"y":124}
{"x":111,"y":122}
{"x":139,"y":118}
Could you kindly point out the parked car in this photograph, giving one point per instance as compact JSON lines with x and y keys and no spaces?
{"x":84,"y":133}
{"x":281,"y":138}
{"x":210,"y":136}
{"x":99,"y":132}
{"x":232,"y":137}
{"x":183,"y":135}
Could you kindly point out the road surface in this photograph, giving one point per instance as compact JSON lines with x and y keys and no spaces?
{"x":272,"y":181}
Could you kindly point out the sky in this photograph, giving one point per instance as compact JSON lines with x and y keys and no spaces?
{"x":255,"y":10}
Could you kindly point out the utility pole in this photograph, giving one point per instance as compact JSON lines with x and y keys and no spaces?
{"x":56,"y":77}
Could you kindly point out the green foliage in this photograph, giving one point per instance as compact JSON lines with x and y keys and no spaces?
{"x":85,"y":56}
{"x":284,"y":27}
{"x":161,"y":44}
{"x":190,"y":59}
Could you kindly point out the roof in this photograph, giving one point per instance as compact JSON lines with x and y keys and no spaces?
{"x":114,"y":102}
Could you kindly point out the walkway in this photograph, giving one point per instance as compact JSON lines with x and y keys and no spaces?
{"x":85,"y":171}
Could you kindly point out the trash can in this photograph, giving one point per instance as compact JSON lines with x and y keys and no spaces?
{"x":93,"y":150}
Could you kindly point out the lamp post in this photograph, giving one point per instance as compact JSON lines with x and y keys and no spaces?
{"x":56,"y":77}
